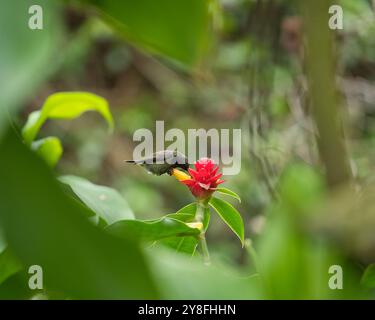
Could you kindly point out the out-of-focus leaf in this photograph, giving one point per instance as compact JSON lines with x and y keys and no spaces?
{"x":25,"y":54}
{"x":50,"y":149}
{"x":49,"y":229}
{"x":301,"y":188}
{"x":84,"y":209}
{"x":65,"y":105}
{"x":182,"y":277}
{"x":293,"y":264}
{"x":106,"y":202}
{"x":9,"y":265}
{"x":368,"y":278}
{"x":228,"y":193}
{"x":151,"y":230}
{"x":16,"y":287}
{"x":176,"y":29}
{"x":348,"y":218}
{"x":230,"y":216}
{"x":295,"y":267}
{"x":3,"y":242}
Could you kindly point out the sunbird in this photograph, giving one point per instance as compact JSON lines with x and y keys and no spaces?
{"x":162,"y":162}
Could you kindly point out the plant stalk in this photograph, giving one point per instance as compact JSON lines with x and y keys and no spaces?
{"x":199,"y":217}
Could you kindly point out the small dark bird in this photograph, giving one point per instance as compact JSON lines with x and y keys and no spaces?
{"x":162,"y":162}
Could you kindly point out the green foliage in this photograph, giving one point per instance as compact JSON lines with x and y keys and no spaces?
{"x":230,"y":216}
{"x":16,"y":286}
{"x":293,"y":265}
{"x":186,"y":244}
{"x":50,"y":149}
{"x":300,"y":188}
{"x":176,"y":29}
{"x":228,"y":193}
{"x":119,"y":270}
{"x":368,"y":277}
{"x":182,"y":277}
{"x":9,"y":265}
{"x":65,"y":105}
{"x":25,"y":56}
{"x":82,"y":261}
{"x":151,"y":230}
{"x":187,"y":214}
{"x":85,"y":236}
{"x":106,"y":202}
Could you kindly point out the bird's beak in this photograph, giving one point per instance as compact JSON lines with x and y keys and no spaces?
{"x":180,"y":175}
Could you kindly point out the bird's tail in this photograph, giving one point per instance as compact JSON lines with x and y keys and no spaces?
{"x":129,"y":161}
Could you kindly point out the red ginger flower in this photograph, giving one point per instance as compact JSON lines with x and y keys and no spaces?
{"x":204,"y":179}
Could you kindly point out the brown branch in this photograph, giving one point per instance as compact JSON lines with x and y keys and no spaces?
{"x":322,"y":90}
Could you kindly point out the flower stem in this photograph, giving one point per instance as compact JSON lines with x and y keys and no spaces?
{"x":199,"y":217}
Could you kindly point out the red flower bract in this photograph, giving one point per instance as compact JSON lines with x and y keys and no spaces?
{"x":204,"y":178}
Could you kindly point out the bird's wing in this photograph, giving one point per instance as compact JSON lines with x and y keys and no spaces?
{"x":162,"y":156}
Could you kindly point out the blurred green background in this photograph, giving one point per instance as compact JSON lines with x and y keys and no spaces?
{"x":307,"y":148}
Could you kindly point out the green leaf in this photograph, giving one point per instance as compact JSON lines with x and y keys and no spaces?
{"x":182,"y":216}
{"x":187,"y":214}
{"x":9,"y":265}
{"x":65,"y":105}
{"x":291,"y":261}
{"x":49,"y":149}
{"x":181,"y":277}
{"x":368,"y":278}
{"x":25,"y":57}
{"x":3,"y":243}
{"x":229,"y":215}
{"x":86,"y":211}
{"x":16,"y":287}
{"x":228,"y":193}
{"x":45,"y":226}
{"x":190,"y":209}
{"x":186,"y":245}
{"x":106,"y":202}
{"x":151,"y":230}
{"x":175,"y":29}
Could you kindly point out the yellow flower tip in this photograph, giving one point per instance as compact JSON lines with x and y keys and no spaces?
{"x":196,"y":225}
{"x":180,"y":175}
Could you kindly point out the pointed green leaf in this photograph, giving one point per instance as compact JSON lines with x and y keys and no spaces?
{"x":229,"y":215}
{"x":65,"y":105}
{"x":50,"y":149}
{"x":228,"y":193}
{"x":151,"y":230}
{"x":106,"y":202}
